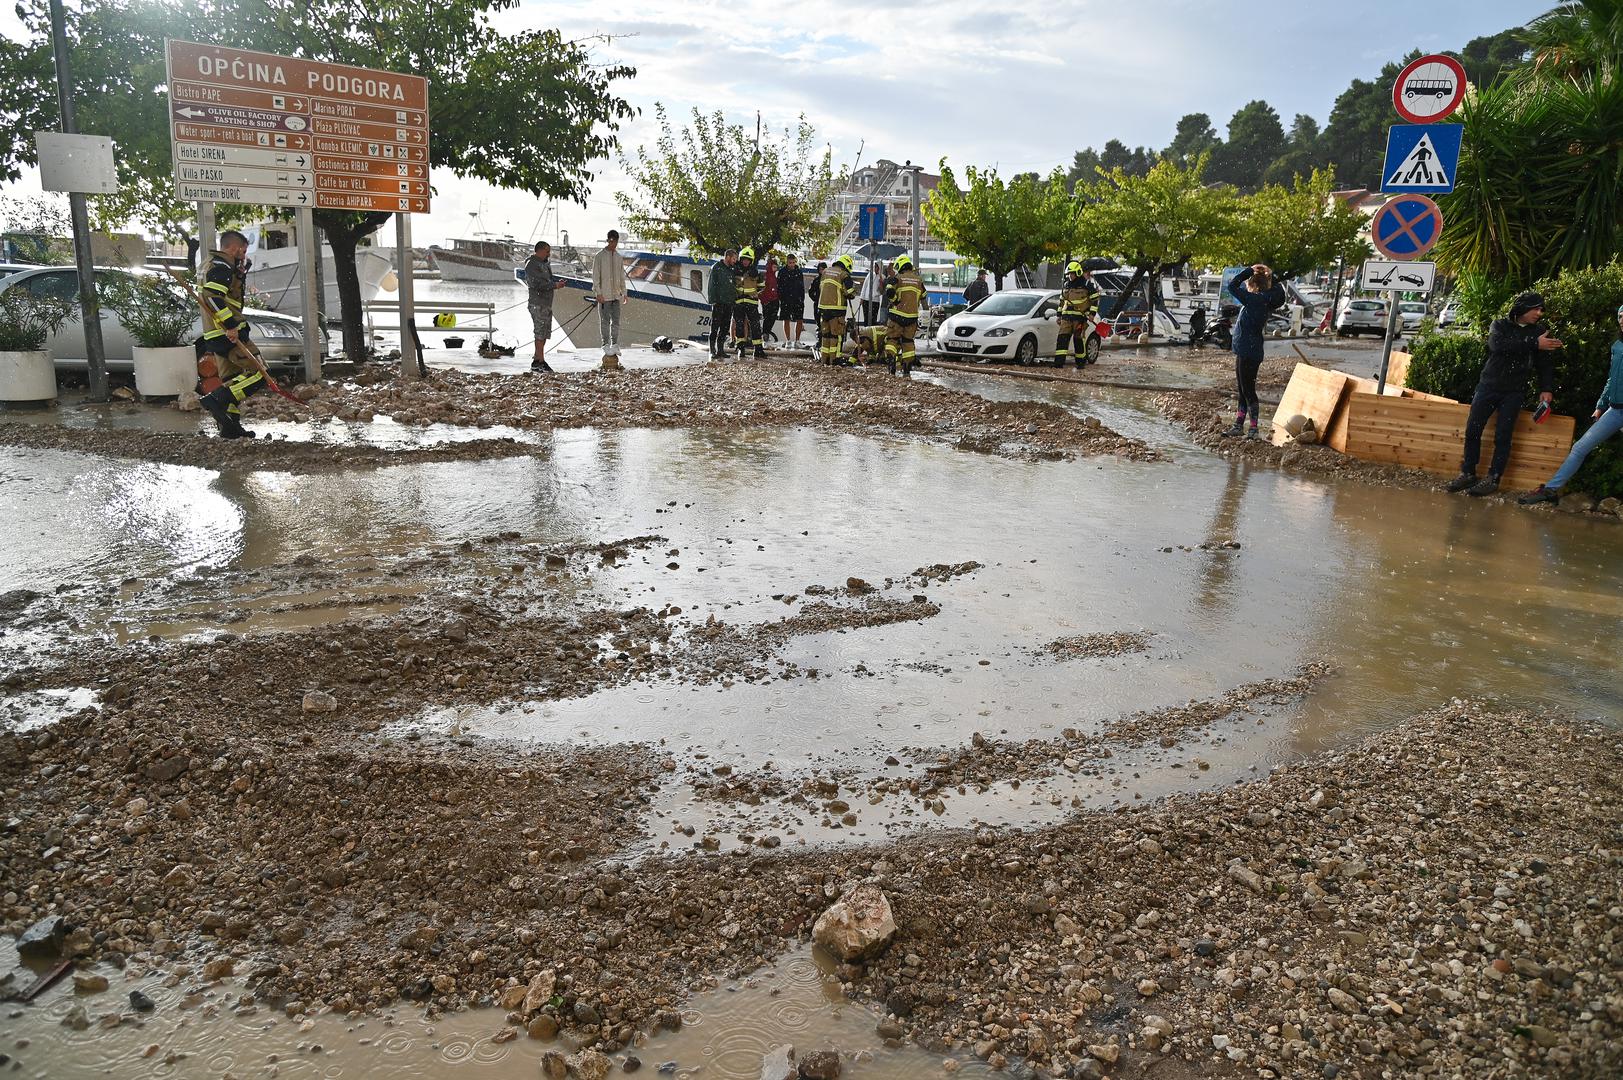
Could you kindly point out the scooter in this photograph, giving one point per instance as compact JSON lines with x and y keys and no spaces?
{"x":1222,"y":332}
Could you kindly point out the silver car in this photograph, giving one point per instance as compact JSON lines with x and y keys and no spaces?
{"x":280,"y":339}
{"x":1361,"y":317}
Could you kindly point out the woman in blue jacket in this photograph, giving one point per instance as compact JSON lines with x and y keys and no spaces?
{"x":1608,"y":419}
{"x":1255,"y":290}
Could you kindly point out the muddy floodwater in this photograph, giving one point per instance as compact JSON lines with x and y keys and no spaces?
{"x":1220,"y":575}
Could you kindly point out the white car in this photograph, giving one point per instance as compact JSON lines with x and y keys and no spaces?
{"x":1361,"y":317}
{"x":280,"y":339}
{"x":1016,"y":324}
{"x":1449,"y":315}
{"x":1410,"y":314}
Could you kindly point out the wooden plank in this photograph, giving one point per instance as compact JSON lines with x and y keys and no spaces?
{"x":1427,"y":397}
{"x":1313,"y":392}
{"x":1335,"y":433}
{"x":1397,"y":370}
{"x":1430,"y":435}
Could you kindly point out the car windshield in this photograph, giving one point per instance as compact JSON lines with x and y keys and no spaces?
{"x":1005,"y":304}
{"x":1368,"y":305}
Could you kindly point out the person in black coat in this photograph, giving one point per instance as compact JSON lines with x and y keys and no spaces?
{"x":976,"y":290}
{"x":1515,"y":346}
{"x":792,"y":299}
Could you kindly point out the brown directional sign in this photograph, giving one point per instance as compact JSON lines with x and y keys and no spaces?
{"x":283,"y":131}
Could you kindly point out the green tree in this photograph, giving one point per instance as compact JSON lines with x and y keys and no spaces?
{"x":1158,"y":221}
{"x":1297,"y":228}
{"x":480,"y":79}
{"x":1194,"y":136}
{"x":1001,"y":226}
{"x":1354,"y":140}
{"x":715,"y":187}
{"x":1084,"y":167}
{"x":1488,"y":58}
{"x":1540,"y":181}
{"x":1116,"y":155}
{"x":1256,"y":139}
{"x":1302,"y":154}
{"x":1575,"y":39}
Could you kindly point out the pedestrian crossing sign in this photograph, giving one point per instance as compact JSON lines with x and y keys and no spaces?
{"x":1421,"y":158}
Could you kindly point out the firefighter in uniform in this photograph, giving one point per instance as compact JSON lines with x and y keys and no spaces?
{"x":833,"y":294}
{"x":747,"y":306}
{"x":1075,"y":302}
{"x":225,"y":375}
{"x":906,"y":299}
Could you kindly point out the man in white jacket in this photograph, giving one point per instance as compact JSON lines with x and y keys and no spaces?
{"x":609,"y":285}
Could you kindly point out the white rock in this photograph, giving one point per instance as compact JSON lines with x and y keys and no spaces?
{"x":858,"y":925}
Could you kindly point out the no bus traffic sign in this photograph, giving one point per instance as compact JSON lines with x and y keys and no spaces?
{"x":1429,"y":88}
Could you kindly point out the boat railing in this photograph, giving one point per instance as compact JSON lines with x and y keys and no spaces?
{"x":483,"y":323}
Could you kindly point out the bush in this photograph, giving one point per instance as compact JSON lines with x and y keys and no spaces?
{"x":1581,"y":310}
{"x":156,"y":311}
{"x":1447,"y":363}
{"x":27,"y":320}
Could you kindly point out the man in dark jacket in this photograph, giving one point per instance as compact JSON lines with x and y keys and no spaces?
{"x":723,"y":291}
{"x":1515,"y":345}
{"x":792,"y":299}
{"x":976,"y":290}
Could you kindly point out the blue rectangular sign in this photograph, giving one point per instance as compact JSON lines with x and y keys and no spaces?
{"x":1422,"y":158}
{"x":871,"y":221}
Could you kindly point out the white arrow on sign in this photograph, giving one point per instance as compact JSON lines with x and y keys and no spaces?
{"x":190,"y":113}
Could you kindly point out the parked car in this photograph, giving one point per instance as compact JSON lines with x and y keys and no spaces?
{"x":1410,"y":314}
{"x":1449,"y":315}
{"x":1018,"y":324}
{"x":280,"y":339}
{"x":1361,"y":317}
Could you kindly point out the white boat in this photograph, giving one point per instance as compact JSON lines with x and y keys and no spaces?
{"x":477,"y":259}
{"x":273,"y":249}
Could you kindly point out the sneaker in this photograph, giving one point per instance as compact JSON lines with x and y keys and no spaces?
{"x":540,"y":365}
{"x":1251,"y":433}
{"x":1236,"y":428}
{"x":1540,"y":494}
{"x":1485,"y":487}
{"x":1461,"y":482}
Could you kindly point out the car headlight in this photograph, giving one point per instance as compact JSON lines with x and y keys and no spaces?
{"x":276,"y":330}
{"x":1001,"y":331}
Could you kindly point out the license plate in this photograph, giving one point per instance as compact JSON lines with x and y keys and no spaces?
{"x":959,"y":346}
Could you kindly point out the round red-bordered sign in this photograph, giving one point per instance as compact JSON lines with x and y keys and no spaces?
{"x":1406,"y":228}
{"x":1429,"y":89}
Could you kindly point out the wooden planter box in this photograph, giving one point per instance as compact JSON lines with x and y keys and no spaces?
{"x":1420,"y":431}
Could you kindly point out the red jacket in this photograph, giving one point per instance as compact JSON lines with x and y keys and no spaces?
{"x":770,"y":292}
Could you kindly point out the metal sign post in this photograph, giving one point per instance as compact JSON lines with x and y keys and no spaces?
{"x":310,"y":289}
{"x":409,"y":366}
{"x":1386,"y":349}
{"x":89,"y":307}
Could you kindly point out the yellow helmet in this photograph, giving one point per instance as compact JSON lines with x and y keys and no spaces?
{"x":845,"y":261}
{"x":902,"y":262}
{"x":747,"y":254}
{"x":1073,"y":267}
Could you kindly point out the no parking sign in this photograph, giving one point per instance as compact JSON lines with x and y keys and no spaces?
{"x":1406,"y":227}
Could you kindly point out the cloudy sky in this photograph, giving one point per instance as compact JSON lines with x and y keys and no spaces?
{"x":1020,"y":84}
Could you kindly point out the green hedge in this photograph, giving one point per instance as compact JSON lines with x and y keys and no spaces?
{"x":1581,"y":309}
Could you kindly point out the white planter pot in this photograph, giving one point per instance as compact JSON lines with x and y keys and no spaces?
{"x":165,"y":372}
{"x":27,"y":378}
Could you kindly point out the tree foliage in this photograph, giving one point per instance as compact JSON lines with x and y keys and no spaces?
{"x":1297,"y":228}
{"x":1256,"y":139}
{"x":712,"y":187}
{"x":1162,"y":219}
{"x":1540,"y":181}
{"x":999,"y":225}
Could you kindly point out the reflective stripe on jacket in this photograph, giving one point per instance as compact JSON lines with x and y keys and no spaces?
{"x":907,"y":295}
{"x":223,"y":286}
{"x":833,"y":289}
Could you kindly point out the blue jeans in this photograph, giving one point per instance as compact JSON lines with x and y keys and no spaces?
{"x":1609,"y":424}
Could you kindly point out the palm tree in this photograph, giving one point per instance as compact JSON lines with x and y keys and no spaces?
{"x":1540,"y":181}
{"x":1580,"y":38}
